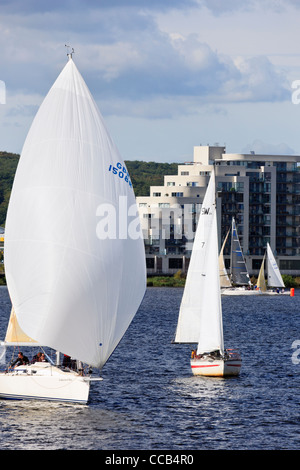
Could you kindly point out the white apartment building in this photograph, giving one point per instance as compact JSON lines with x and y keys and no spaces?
{"x":262,"y":193}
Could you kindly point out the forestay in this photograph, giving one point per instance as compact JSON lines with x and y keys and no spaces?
{"x":72,"y":290}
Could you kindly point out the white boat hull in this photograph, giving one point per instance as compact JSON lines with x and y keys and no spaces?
{"x":240,"y":291}
{"x":42,"y":381}
{"x":213,"y":367}
{"x":269,"y":292}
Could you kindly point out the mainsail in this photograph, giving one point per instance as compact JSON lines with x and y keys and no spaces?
{"x":72,"y":288}
{"x":274,"y":276}
{"x":238,"y":269}
{"x":200,"y":316}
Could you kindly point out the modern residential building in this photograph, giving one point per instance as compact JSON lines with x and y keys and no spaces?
{"x":262,"y":193}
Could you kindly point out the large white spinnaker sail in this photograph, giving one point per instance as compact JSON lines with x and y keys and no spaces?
{"x":73,"y":288}
{"x":200,"y":316}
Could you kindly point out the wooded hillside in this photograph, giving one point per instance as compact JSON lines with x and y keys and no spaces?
{"x":146,"y":174}
{"x":142,"y":174}
{"x":8,"y":165}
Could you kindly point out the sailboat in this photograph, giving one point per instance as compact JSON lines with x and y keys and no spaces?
{"x":224,"y":278}
{"x":275,"y":281}
{"x":200,"y":316}
{"x":240,"y":283}
{"x":74,"y":288}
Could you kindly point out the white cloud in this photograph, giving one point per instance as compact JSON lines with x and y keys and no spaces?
{"x":185,"y":63}
{"x":260,"y":147}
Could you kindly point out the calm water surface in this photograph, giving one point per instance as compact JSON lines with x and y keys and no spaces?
{"x":149,"y":399}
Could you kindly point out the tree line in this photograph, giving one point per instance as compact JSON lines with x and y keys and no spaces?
{"x":142,"y":175}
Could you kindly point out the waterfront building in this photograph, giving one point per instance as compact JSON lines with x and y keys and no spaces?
{"x":262,"y":192}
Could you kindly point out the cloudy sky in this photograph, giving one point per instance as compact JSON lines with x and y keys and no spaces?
{"x":167,"y":74}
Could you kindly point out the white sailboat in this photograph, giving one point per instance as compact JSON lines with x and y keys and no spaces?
{"x":275,"y":281}
{"x":240,"y":283}
{"x":200,"y":317}
{"x":72,"y":289}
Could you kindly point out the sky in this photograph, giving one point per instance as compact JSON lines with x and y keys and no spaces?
{"x":167,"y":75}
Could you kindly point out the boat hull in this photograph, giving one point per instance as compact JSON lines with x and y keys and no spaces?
{"x":211,"y":367}
{"x":44,"y":383}
{"x":269,"y":292}
{"x":240,"y":291}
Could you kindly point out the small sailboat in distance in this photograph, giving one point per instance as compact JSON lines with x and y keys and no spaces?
{"x":224,"y":278}
{"x":73,"y":288}
{"x":239,"y":276}
{"x":200,"y":316}
{"x":275,"y":282}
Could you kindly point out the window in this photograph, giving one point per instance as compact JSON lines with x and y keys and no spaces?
{"x":256,"y":263}
{"x":177,"y":194}
{"x":156,"y":194}
{"x":150,"y":263}
{"x":289,"y":264}
{"x":175,"y":263}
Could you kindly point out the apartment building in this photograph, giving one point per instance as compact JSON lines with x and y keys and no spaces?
{"x":262,"y":193}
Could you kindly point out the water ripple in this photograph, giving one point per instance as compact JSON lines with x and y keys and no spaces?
{"x":149,"y":399}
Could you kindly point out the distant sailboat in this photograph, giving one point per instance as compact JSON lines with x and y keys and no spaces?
{"x":200,"y":317}
{"x":224,"y":278}
{"x":239,"y":276}
{"x":274,"y":277}
{"x":71,"y":289}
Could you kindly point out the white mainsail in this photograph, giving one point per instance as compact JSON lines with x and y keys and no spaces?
{"x":72,"y":289}
{"x":274,"y":276}
{"x":200,"y":316}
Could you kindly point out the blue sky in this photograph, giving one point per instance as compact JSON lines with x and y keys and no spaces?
{"x":166,"y":74}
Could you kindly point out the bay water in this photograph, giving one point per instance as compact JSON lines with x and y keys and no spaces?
{"x":149,"y":400}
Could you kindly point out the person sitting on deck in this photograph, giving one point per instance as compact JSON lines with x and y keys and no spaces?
{"x":36,"y":358}
{"x":66,"y":361}
{"x":20,"y":361}
{"x":43,"y":358}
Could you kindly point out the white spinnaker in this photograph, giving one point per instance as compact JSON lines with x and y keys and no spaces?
{"x":72,"y":290}
{"x":200,"y":316}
